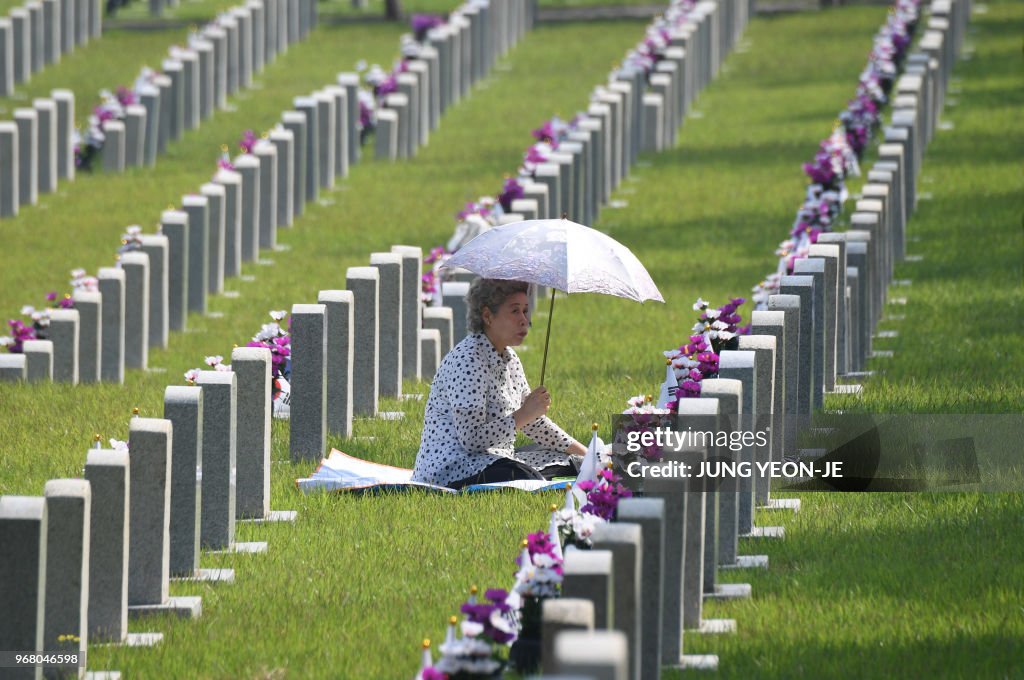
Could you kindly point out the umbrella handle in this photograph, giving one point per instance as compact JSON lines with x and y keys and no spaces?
{"x":547,"y":338}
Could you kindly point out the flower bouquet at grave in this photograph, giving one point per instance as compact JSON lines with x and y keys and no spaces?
{"x":766,"y":288}
{"x":131,"y":239}
{"x":245,"y":146}
{"x":423,"y":23}
{"x":488,"y":628}
{"x":641,"y":415}
{"x":539,"y":577}
{"x":39,"y":319}
{"x":692,"y":362}
{"x":604,"y":494}
{"x":430,"y":281}
{"x":572,"y":526}
{"x":275,"y":338}
{"x":89,"y":142}
{"x":214,"y":362}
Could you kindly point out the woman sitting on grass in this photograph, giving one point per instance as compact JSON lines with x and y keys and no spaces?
{"x":480,"y":398}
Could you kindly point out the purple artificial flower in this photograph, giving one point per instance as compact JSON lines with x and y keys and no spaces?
{"x":125,"y":97}
{"x":422,"y":23}
{"x":431,"y":673}
{"x":510,"y":192}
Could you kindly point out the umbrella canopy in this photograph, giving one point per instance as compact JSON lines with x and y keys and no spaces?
{"x":559,"y":254}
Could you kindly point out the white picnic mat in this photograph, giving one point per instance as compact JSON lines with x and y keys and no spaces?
{"x":342,"y":472}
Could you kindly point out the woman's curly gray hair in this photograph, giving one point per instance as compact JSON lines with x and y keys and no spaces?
{"x":490,"y":293}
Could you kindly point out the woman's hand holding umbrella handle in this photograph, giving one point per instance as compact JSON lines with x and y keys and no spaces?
{"x":534,"y":406}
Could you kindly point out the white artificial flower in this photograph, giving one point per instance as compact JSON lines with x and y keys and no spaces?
{"x":6,"y":340}
{"x":699,"y":305}
{"x":77,"y":273}
{"x":118,"y":445}
{"x":472,"y":628}
{"x":27,"y":310}
{"x":133,"y":230}
{"x":726,"y":335}
{"x":278,"y":315}
{"x":192,"y":374}
{"x":213,"y":360}
{"x":719,"y":325}
{"x":712,"y":313}
{"x":361,"y":65}
{"x":223,"y":368}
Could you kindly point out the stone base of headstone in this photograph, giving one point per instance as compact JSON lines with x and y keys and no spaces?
{"x":209,"y":576}
{"x":783,"y":504}
{"x":698,"y":662}
{"x":747,"y":562}
{"x":272,"y":516}
{"x":142,"y":639}
{"x":766,"y":532}
{"x":183,"y":607}
{"x":248,"y":548}
{"x":856,"y":390}
{"x":717,"y":626}
{"x":730,"y":591}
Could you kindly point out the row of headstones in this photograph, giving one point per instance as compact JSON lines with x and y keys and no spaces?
{"x":151,"y":290}
{"x":227,"y":224}
{"x":645,"y":574}
{"x":356,"y":345}
{"x":36,"y":34}
{"x":456,"y":56}
{"x":196,"y":81}
{"x":37,"y":148}
{"x":91,"y":552}
{"x":584,"y":172}
{"x":711,"y":29}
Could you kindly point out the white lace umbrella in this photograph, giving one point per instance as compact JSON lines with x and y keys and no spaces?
{"x":561,"y":255}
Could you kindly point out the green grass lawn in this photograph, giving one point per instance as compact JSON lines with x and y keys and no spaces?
{"x":894,"y":585}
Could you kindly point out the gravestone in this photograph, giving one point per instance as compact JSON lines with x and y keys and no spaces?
{"x":266,"y":153}
{"x":248,"y":167}
{"x":23,"y":533}
{"x":88,"y":304}
{"x":207,"y":76}
{"x":51,"y":32}
{"x":21,"y":43}
{"x":773,"y":323}
{"x":198,"y":210}
{"x":412,"y":309}
{"x":108,"y":474}
{"x":308,"y":428}
{"x":284,"y":141}
{"x":601,"y":654}
{"x":216,"y":235}
{"x":341,"y":138}
{"x":68,"y":511}
{"x":13,"y":367}
{"x":389,"y":320}
{"x":251,"y":366}
{"x":557,"y":615}
{"x":46,"y":158}
{"x":589,"y":575}
{"x":327,"y":136}
{"x":811,"y":343}
{"x":307,"y":106}
{"x":232,"y":243}
{"x":27,"y":123}
{"x":65,"y":102}
{"x":341,"y":331}
{"x":136,"y":308}
{"x":441,"y":320}
{"x":766,"y":351}
{"x":149,"y":446}
{"x":219,"y":459}
{"x":183,"y":407}
{"x":816,"y":268}
{"x":149,"y":95}
{"x":134,"y":135}
{"x":114,"y":146}
{"x":702,"y":519}
{"x":364,"y":282}
{"x":350,"y":81}
{"x":430,"y":352}
{"x":625,"y":542}
{"x":9,"y":170}
{"x":838,"y":241}
{"x":830,"y":255}
{"x":167,"y":106}
{"x":453,"y":295}
{"x":386,"y":142}
{"x":729,"y":394}
{"x":649,"y":515}
{"x":174,"y":70}
{"x":174,"y":225}
{"x":112,"y":288}
{"x":64,"y":335}
{"x":295,"y":122}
